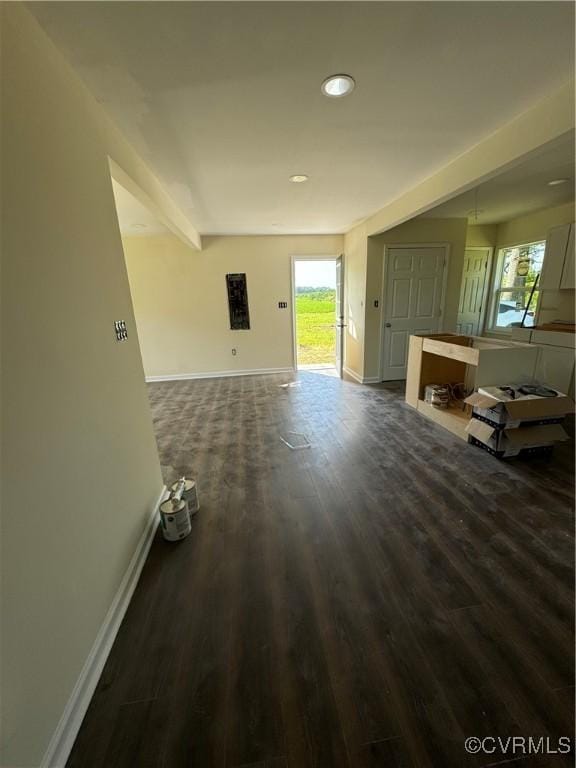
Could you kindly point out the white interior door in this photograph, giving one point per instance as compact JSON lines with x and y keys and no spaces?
{"x":473,"y":291}
{"x":412,"y":301}
{"x":339,"y":314}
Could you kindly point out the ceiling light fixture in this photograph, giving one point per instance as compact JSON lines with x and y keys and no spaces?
{"x":337,"y":86}
{"x":298,"y":178}
{"x":557,"y":182}
{"x":475,"y":212}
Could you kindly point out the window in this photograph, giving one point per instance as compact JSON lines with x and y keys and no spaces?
{"x":517,"y":271}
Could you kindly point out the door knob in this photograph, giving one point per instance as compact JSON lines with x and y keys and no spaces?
{"x":388,"y":325}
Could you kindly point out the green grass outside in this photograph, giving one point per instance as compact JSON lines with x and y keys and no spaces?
{"x":315,"y":327}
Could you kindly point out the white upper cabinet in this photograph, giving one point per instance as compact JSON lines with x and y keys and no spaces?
{"x":568,"y":276}
{"x":558,"y":268}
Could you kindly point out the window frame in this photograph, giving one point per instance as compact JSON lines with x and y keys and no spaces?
{"x":498,"y":290}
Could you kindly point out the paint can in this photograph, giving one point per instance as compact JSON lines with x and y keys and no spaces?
{"x":189,"y":493}
{"x":175,"y":519}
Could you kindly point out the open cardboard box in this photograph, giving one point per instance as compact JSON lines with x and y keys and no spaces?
{"x":508,"y":426}
{"x":511,"y":442}
{"x":498,"y":407}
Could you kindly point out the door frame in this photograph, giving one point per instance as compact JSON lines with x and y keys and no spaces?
{"x":443,"y":292}
{"x":488,"y":278}
{"x":293,"y":259}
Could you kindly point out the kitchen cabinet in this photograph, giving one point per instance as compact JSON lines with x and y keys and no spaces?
{"x":556,"y":356}
{"x":558,"y":268}
{"x":556,"y":368}
{"x":473,"y":360}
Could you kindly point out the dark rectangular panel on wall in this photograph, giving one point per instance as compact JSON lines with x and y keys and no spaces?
{"x":238,"y":301}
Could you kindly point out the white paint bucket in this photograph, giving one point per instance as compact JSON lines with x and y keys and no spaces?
{"x":175,"y":519}
{"x":189,"y":494}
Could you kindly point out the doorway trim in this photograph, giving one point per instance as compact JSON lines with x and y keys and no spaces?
{"x":487,"y":282}
{"x":293,"y":259}
{"x":443,"y":291}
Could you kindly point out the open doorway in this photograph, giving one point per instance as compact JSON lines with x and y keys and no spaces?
{"x":318,"y":313}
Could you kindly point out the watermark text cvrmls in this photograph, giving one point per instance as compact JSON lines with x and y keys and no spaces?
{"x":518,"y":745}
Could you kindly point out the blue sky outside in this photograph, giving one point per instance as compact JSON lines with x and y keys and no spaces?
{"x":316,"y":274}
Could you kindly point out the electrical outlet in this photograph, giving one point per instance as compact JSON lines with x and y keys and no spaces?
{"x":282,"y":305}
{"x":120,"y":330}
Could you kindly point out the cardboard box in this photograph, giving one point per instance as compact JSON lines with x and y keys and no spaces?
{"x":486,"y":417}
{"x":499,"y":408}
{"x":509,"y":426}
{"x":513,"y":441}
{"x":540,"y":450}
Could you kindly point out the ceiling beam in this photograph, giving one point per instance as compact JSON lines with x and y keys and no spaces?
{"x":168,"y":213}
{"x":510,"y":145}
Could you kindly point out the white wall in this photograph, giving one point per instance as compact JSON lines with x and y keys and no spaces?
{"x":533,"y":226}
{"x":481,"y":235}
{"x":79,"y":462}
{"x":181,"y":304}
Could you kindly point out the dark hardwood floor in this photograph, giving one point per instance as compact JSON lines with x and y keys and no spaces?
{"x":370,"y":601}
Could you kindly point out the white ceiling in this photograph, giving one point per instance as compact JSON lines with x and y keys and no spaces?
{"x":133,"y":217}
{"x":223,"y":99}
{"x":519,"y":191}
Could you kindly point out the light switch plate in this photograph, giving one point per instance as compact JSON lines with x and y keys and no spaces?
{"x":120,"y":330}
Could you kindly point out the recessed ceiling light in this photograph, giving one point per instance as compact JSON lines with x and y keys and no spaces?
{"x":139,"y":226}
{"x":298,"y":178}
{"x":557,"y":182}
{"x":336,"y":86}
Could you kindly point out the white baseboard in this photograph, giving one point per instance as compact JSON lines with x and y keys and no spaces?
{"x":361,"y":379}
{"x":217,"y":374}
{"x":67,"y":729}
